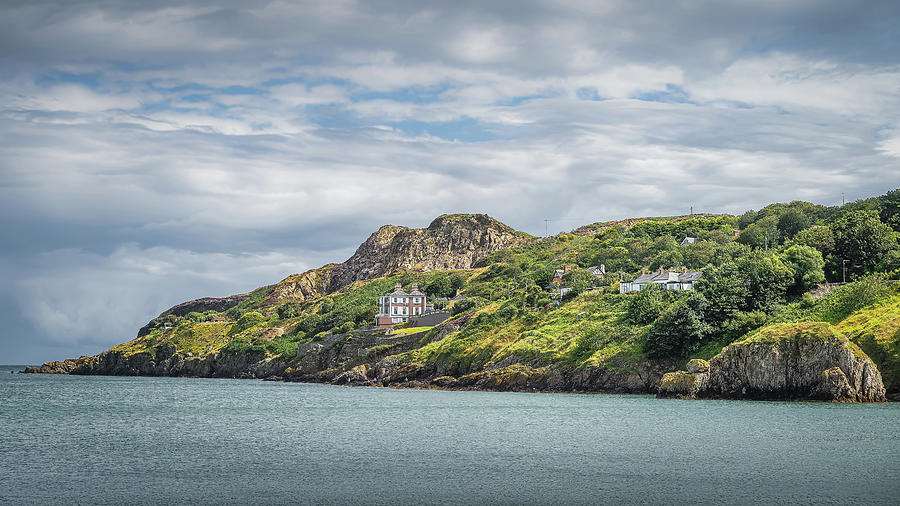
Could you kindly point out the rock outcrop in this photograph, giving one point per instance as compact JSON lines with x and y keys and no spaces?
{"x":451,"y":241}
{"x":798,"y":361}
{"x":302,"y":287}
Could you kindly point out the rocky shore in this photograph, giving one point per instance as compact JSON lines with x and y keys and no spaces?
{"x":370,"y":360}
{"x":801,"y":361}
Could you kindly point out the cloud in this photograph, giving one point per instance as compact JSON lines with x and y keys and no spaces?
{"x":78,"y":298}
{"x":146,"y":147}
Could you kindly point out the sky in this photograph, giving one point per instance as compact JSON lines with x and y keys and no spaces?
{"x":153,"y":152}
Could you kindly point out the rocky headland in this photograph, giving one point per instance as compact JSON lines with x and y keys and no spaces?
{"x":783,"y":361}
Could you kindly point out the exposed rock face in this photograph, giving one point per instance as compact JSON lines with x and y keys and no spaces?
{"x":785,"y":361}
{"x":685,"y":384}
{"x":199,"y":305}
{"x":455,"y":241}
{"x":302,"y":287}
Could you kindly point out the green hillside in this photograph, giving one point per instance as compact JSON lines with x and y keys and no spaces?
{"x":757,"y":270}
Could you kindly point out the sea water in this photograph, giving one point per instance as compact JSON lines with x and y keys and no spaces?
{"x":115,"y":440}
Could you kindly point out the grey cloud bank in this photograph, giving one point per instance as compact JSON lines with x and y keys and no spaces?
{"x":153,"y":152}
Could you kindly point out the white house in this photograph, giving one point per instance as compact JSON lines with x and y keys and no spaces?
{"x":399,"y":306}
{"x":666,"y":281}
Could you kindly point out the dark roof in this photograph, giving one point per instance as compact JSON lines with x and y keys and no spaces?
{"x":657,"y":277}
{"x":398,"y":291}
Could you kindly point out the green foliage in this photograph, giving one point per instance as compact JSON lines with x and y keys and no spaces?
{"x":762,"y":234}
{"x":667,"y":259}
{"x":851,"y":297}
{"x":644,"y":307}
{"x":579,"y":280}
{"x":820,"y":238}
{"x":289,"y":309}
{"x":249,"y":319}
{"x":698,"y":255}
{"x":467,"y":304}
{"x":792,"y":221}
{"x":680,"y":330}
{"x":861,"y":238}
{"x":688,"y":227}
{"x":807,"y":265}
{"x":194,"y":317}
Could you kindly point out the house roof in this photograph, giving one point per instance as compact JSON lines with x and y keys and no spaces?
{"x":667,"y":277}
{"x":688,"y":240}
{"x":415,"y":291}
{"x":398,"y":291}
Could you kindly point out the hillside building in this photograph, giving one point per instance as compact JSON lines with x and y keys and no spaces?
{"x":399,"y":306}
{"x":665,"y":280}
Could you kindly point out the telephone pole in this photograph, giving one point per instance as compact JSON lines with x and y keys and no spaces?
{"x":546,"y":228}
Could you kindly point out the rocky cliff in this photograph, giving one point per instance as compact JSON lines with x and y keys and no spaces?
{"x":451,"y":241}
{"x":783,"y":361}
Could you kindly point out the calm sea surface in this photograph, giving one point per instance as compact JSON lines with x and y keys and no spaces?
{"x":112,"y":440}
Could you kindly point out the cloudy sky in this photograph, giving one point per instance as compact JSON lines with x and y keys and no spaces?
{"x":153,"y":151}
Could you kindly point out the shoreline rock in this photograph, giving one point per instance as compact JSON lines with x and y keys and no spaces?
{"x":799,"y":361}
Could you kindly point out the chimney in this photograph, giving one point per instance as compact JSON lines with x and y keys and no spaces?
{"x":661,"y":270}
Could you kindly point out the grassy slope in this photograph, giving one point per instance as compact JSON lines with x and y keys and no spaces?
{"x":558,"y":335}
{"x":876,"y":329}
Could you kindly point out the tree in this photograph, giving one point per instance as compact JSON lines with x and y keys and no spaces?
{"x":645,"y":306}
{"x":791,"y":222}
{"x":456,"y":283}
{"x":438,"y":287}
{"x":194,"y":316}
{"x":666,"y":259}
{"x":680,"y":329}
{"x":808,"y":267}
{"x":820,"y":238}
{"x":249,"y":319}
{"x":725,"y":291}
{"x":861,"y":238}
{"x":699,"y":254}
{"x":764,"y":233}
{"x":579,"y":280}
{"x":766,"y":278}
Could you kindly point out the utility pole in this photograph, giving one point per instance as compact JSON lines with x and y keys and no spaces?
{"x":842,"y":199}
{"x":844,"y":267}
{"x":546,"y":228}
{"x":692,"y":211}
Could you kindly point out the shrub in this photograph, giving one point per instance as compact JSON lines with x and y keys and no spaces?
{"x":645,"y":306}
{"x":680,"y":330}
{"x":249,"y":319}
{"x":467,"y":304}
{"x":194,"y":316}
{"x":289,"y":309}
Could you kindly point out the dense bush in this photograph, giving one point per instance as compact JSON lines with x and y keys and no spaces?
{"x":680,"y":330}
{"x":248,"y":320}
{"x":289,"y":309}
{"x":467,"y":304}
{"x":644,"y":307}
